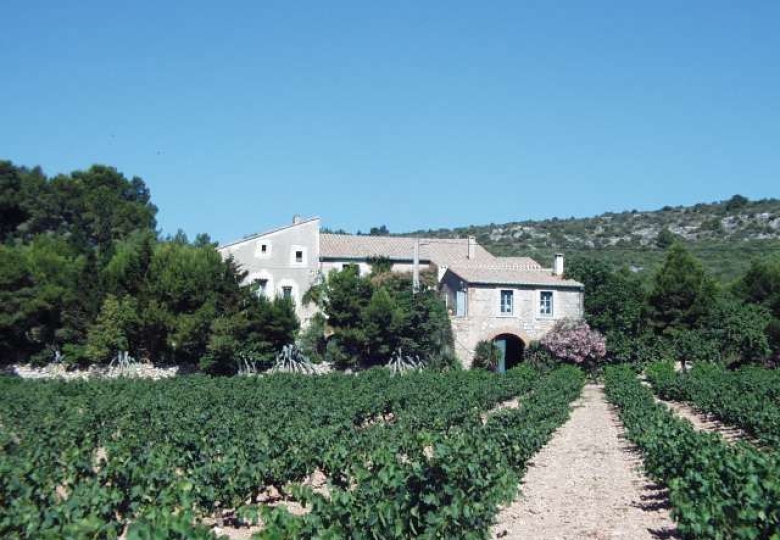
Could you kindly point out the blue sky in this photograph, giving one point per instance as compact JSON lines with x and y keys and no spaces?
{"x":410,"y":114}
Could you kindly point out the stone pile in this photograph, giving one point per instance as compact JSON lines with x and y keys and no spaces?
{"x":61,"y":371}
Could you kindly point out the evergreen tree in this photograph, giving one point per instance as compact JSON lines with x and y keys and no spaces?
{"x":666,"y":238}
{"x":373,"y":316}
{"x":761,"y":286}
{"x":113,"y":330}
{"x":682,"y":295}
{"x":614,"y":302}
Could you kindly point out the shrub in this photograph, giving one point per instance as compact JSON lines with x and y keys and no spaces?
{"x":650,"y":348}
{"x":740,"y":331}
{"x":312,"y":340}
{"x":575,"y":342}
{"x":112,"y":330}
{"x":443,"y":360}
{"x":338,"y":355}
{"x":692,"y":346}
{"x":539,"y":357}
{"x":486,"y":356}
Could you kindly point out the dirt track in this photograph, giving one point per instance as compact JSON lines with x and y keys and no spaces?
{"x":587,"y":483}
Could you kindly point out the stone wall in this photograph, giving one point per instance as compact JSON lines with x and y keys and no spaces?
{"x":61,"y":371}
{"x":485,"y":321}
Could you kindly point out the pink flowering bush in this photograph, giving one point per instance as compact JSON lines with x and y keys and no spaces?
{"x":574,"y":341}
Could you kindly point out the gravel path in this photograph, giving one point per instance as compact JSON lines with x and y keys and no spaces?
{"x":586,"y":483}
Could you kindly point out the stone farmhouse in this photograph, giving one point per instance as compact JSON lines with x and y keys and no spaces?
{"x":510,"y":300}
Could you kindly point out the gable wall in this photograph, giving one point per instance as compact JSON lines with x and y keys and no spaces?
{"x":278,"y":265}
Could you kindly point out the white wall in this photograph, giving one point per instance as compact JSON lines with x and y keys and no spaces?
{"x":278,"y":264}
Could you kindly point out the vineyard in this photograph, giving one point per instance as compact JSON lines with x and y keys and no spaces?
{"x":405,"y":456}
{"x":716,"y":490}
{"x":421,"y":455}
{"x":748,"y":398}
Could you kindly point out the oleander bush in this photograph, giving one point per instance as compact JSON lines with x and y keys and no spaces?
{"x":573,"y":341}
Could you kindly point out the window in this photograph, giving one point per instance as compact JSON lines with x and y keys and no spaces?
{"x":546,"y":303}
{"x":262,"y":286}
{"x":263,"y":249}
{"x":460,"y":303}
{"x":287,"y":292}
{"x":507,"y":302}
{"x":298,"y":256}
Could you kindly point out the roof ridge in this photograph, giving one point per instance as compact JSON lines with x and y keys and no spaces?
{"x":432,"y":240}
{"x":491,"y":274}
{"x":269,"y":231}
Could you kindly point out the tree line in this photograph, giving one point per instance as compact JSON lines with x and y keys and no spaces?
{"x":684,"y":313}
{"x":84,"y":275}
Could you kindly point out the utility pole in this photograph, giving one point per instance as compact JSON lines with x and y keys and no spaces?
{"x":416,"y":269}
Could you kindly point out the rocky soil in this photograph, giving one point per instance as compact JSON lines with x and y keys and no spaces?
{"x":587,"y":483}
{"x":706,"y":422}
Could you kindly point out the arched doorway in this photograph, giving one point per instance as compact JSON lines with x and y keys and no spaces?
{"x":512,"y":349}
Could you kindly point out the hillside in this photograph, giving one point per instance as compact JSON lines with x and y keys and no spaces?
{"x":725,"y":235}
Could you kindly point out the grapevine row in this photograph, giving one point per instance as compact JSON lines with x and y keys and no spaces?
{"x":717,"y":491}
{"x":748,"y":398}
{"x":447,"y":485}
{"x":85,"y":459}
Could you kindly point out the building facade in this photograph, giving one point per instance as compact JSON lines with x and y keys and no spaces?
{"x":509,"y":300}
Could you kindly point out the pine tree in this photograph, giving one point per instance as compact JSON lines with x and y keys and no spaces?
{"x":683,"y":293}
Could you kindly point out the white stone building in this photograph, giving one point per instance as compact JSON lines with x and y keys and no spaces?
{"x":510,"y":300}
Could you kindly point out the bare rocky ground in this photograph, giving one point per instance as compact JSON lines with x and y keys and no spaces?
{"x":707,"y":422}
{"x":587,"y":483}
{"x":317,"y":481}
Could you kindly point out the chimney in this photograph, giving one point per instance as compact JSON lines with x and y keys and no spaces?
{"x":472,"y":248}
{"x":297,"y":219}
{"x":557,"y":269}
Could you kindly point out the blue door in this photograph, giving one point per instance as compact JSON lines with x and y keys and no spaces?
{"x":501,"y":344}
{"x":460,"y":303}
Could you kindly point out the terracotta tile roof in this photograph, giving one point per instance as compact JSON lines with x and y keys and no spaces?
{"x":523,"y":263}
{"x":442,"y":252}
{"x":497,"y":275}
